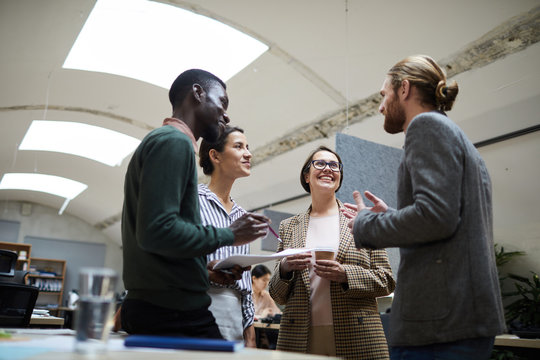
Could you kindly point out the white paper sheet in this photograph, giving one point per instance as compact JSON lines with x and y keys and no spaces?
{"x":247,"y":260}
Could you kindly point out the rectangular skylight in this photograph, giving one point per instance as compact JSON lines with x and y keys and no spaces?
{"x":92,"y":142}
{"x":155,"y":42}
{"x":51,"y":184}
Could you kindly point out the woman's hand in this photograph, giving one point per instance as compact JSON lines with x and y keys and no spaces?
{"x":330,"y":270}
{"x":295,"y":262}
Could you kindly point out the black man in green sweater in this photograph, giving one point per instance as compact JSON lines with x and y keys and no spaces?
{"x":164,"y":243}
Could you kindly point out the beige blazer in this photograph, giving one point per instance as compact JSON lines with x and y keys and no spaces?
{"x":358,"y":330}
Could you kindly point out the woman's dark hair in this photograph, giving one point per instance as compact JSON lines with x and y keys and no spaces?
{"x":260,"y":270}
{"x":183,"y":83}
{"x":307,"y":165}
{"x":219,"y":145}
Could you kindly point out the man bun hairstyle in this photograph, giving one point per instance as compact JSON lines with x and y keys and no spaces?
{"x":204,"y":150}
{"x":428,"y":78}
{"x":183,"y":83}
{"x":307,"y":165}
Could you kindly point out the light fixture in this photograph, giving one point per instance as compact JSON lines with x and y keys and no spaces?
{"x":155,"y":42}
{"x":51,"y":184}
{"x":92,"y":142}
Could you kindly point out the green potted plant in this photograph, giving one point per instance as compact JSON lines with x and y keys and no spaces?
{"x":523,"y":315}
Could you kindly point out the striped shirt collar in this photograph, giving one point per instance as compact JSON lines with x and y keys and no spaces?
{"x":205,"y":191}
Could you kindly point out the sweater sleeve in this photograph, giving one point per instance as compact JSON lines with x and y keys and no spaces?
{"x":168,"y":220}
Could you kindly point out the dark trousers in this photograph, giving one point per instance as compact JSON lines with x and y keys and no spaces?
{"x":141,"y":317}
{"x":468,"y":349}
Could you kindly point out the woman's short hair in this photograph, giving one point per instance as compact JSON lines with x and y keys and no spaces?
{"x":428,"y":78}
{"x":219,"y":145}
{"x":259,"y":271}
{"x":307,"y":165}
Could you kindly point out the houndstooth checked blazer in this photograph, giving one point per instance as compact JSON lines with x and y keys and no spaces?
{"x":358,"y":330}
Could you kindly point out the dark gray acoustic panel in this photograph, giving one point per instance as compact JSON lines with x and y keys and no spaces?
{"x":9,"y":230}
{"x":269,"y":242}
{"x":78,"y":254}
{"x":369,"y":166}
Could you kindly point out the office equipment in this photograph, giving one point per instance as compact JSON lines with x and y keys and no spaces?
{"x":16,"y":304}
{"x":8,"y":259}
{"x":23,"y":254}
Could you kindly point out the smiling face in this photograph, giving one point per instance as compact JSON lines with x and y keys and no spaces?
{"x":235,"y":159}
{"x":212,"y":112}
{"x":324,"y":180}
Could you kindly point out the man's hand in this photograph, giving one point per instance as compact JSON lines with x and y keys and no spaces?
{"x":249,"y":227}
{"x":224,"y":278}
{"x":351,"y":210}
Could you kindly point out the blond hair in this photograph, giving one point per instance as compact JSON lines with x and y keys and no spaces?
{"x":428,"y":78}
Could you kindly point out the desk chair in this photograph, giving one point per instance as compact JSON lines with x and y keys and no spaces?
{"x":17,"y":302}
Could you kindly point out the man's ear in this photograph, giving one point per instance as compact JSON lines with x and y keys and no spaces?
{"x":404,"y":89}
{"x":198,"y":92}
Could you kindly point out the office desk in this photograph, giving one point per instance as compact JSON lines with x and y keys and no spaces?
{"x":48,"y":321}
{"x":46,"y":345}
{"x":514,"y":341}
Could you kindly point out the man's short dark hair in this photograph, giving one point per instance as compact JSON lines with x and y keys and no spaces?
{"x":183,"y":83}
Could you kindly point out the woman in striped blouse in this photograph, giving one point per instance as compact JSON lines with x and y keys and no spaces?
{"x":225,"y":161}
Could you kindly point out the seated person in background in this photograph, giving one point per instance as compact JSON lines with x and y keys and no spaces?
{"x":224,"y":161}
{"x":264,"y":304}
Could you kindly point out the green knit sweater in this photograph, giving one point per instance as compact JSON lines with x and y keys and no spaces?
{"x":164,"y":243}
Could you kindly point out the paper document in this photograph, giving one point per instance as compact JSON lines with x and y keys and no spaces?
{"x":247,"y":260}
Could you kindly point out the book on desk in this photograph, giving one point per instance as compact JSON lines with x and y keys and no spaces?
{"x":182,"y":343}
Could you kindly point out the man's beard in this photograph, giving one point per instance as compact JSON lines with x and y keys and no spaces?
{"x":394,"y":118}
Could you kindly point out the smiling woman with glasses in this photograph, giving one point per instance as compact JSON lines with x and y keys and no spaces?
{"x":321,"y":164}
{"x":330,"y":305}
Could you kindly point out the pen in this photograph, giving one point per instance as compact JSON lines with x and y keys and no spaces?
{"x":276,"y":235}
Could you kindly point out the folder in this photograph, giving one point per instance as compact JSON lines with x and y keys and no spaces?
{"x":183,"y":343}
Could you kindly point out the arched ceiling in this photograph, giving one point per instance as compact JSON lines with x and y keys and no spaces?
{"x":321,"y":75}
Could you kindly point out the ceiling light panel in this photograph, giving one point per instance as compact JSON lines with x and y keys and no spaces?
{"x":155,"y":42}
{"x":106,"y":146}
{"x":50,"y":184}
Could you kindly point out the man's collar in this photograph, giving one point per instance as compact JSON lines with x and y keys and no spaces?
{"x":182,"y":126}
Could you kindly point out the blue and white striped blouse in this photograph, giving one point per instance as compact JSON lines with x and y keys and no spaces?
{"x":213,"y":213}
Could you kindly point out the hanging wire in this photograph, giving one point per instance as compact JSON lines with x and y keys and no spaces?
{"x":347,"y":64}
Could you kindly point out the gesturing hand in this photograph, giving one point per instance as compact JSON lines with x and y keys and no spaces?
{"x":351,"y":210}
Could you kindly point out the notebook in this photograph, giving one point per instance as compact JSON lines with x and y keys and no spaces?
{"x":184,"y":343}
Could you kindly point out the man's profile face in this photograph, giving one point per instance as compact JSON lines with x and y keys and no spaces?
{"x":391,"y":108}
{"x":212,"y":114}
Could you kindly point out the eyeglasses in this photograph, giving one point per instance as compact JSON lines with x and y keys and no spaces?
{"x":321,"y":164}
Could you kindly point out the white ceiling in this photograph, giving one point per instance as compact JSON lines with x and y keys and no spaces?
{"x":320,"y":60}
